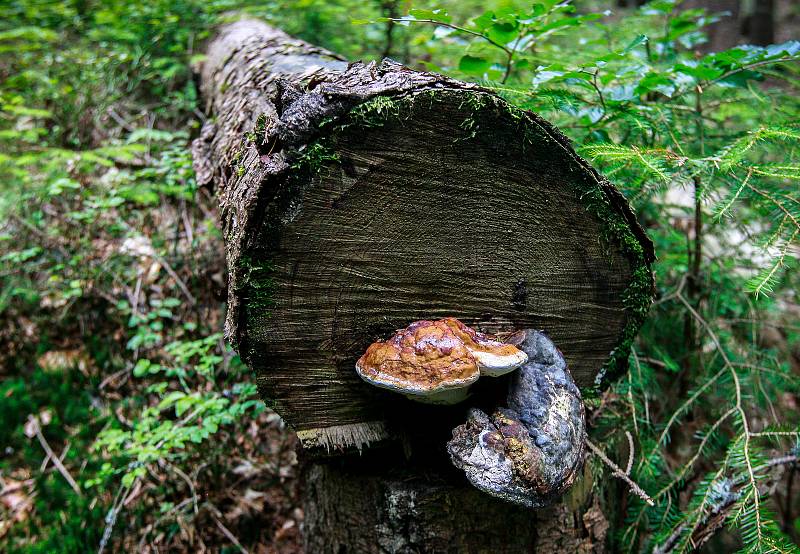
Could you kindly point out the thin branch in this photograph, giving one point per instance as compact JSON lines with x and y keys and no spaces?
{"x":739,"y":408}
{"x":644,"y":390}
{"x":599,"y":92}
{"x":783,"y":460}
{"x":688,"y":465}
{"x":776,"y":434}
{"x":618,"y":472}
{"x":708,"y":84}
{"x":177,"y":279}
{"x":669,"y":544}
{"x":227,"y":533}
{"x":113,"y":513}
{"x":631,"y":453}
{"x":749,"y":67}
{"x":780,"y":206}
{"x":147,"y":530}
{"x":455,"y":28}
{"x":633,"y":410}
{"x":188,"y":482}
{"x":37,"y":429}
{"x":677,"y":413}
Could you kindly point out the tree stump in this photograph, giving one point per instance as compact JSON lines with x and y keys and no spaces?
{"x":357,"y":198}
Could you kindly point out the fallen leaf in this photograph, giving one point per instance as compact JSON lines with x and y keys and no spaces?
{"x":59,"y":360}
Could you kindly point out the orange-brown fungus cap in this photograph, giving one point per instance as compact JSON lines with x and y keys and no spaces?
{"x":493,"y":356}
{"x":436,"y":361}
{"x":423,"y":358}
{"x":477,"y":341}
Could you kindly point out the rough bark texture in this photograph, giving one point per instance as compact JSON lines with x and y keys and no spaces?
{"x":366,"y":506}
{"x":358,"y":198}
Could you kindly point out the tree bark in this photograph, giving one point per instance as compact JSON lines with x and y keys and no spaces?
{"x":759,"y":24}
{"x":357,"y":198}
{"x":358,"y":506}
{"x":752,"y":22}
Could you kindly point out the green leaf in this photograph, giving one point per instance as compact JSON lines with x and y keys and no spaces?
{"x":502,"y":33}
{"x":129,"y":478}
{"x":537,"y":10}
{"x":435,"y":15}
{"x":170,"y":399}
{"x":656,"y":82}
{"x":483,"y":21}
{"x":472,"y":65}
{"x":141,"y":368}
{"x":641,"y":39}
{"x":699,"y":72}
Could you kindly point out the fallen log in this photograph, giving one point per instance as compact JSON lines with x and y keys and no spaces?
{"x":357,"y":198}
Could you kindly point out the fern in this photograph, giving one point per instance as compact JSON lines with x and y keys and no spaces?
{"x":769,"y":277}
{"x":735,"y":153}
{"x":648,"y":161}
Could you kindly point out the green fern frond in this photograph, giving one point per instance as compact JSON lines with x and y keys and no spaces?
{"x":734,"y":153}
{"x":765,"y":281}
{"x":759,"y":532}
{"x":651,"y":163}
{"x":777,"y":171}
{"x":723,"y":208}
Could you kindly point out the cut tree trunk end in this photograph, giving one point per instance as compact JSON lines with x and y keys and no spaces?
{"x":357,"y":198}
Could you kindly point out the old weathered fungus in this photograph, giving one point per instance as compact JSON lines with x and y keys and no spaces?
{"x":436,"y":361}
{"x":531,"y":451}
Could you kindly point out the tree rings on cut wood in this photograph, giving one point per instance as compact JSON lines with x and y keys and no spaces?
{"x":357,"y":198}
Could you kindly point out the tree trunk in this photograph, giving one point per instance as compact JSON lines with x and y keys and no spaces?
{"x":751,"y":22}
{"x":353,"y":506}
{"x":725,"y":33}
{"x":357,"y":198}
{"x":759,"y":25}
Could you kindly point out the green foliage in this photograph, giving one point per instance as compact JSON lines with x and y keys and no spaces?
{"x":62,"y":395}
{"x":155,"y":436}
{"x":96,"y":108}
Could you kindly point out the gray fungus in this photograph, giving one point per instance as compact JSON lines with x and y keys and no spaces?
{"x":530,"y":451}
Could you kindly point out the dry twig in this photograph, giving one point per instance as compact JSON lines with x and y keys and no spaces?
{"x":34,"y":428}
{"x":619,"y":472}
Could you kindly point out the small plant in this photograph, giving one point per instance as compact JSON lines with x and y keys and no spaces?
{"x":160,"y":433}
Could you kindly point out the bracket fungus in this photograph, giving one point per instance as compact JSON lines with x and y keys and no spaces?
{"x":531,"y":451}
{"x":528,"y":452}
{"x":436,"y":361}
